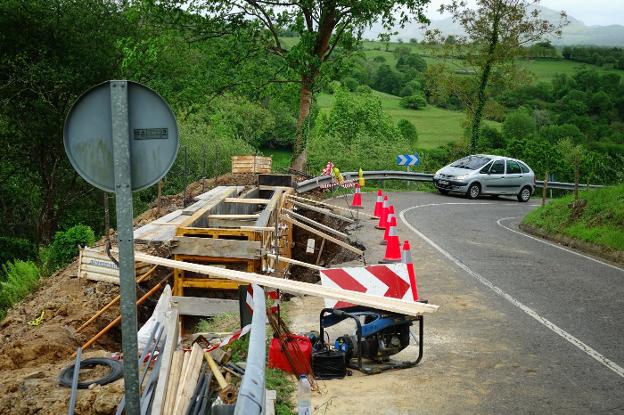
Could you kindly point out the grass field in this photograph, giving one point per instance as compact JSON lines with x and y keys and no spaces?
{"x":435,"y":126}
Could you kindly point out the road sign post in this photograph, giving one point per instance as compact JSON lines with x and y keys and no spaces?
{"x":121,"y":136}
{"x":125,"y":240}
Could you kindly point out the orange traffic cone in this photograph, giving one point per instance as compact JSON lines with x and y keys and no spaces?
{"x":406,"y":258}
{"x":378,"y":204}
{"x":357,"y":198}
{"x":393,"y":249}
{"x":391,"y":215}
{"x":383,"y":218}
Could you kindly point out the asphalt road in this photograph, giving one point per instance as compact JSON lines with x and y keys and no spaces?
{"x":564,"y":310}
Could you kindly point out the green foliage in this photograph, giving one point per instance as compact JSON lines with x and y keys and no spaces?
{"x":355,"y":132}
{"x":601,"y":221}
{"x":16,"y":248}
{"x":18,"y":278}
{"x":518,"y":125}
{"x":415,"y":102}
{"x":284,"y":387}
{"x":408,"y":131}
{"x":64,"y":247}
{"x":491,"y":138}
{"x":601,"y":56}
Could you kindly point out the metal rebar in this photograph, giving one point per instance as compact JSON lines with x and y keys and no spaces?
{"x":74,"y":386}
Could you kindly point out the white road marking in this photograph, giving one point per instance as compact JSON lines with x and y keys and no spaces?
{"x":547,"y":323}
{"x":498,"y":222}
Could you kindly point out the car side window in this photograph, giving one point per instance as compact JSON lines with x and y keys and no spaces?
{"x":498,"y":167}
{"x":513,"y":167}
{"x":485,"y":168}
{"x":524,"y":167}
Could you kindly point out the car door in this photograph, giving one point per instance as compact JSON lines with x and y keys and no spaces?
{"x":494,"y":180}
{"x":514,"y":177}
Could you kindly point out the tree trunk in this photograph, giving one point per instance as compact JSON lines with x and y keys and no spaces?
{"x":305,"y":102}
{"x":577,"y":177}
{"x":478,"y":112}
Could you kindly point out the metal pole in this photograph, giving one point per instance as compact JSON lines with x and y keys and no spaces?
{"x":123,"y":192}
{"x":186,"y":179}
{"x":251,"y":396}
{"x":74,"y":385}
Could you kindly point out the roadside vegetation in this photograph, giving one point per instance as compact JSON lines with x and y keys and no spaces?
{"x":598,"y":220}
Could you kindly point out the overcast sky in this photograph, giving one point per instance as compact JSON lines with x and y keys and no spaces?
{"x":594,"y":12}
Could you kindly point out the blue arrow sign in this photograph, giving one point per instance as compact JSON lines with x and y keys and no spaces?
{"x":408,"y":160}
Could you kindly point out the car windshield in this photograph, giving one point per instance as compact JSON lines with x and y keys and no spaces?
{"x":471,"y":162}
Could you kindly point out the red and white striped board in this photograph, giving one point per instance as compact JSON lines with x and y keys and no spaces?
{"x":273,"y":295}
{"x":230,"y":338}
{"x":387,"y":280}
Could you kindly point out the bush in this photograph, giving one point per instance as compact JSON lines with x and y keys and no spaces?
{"x":415,"y":102}
{"x":355,"y":132}
{"x":16,"y":248}
{"x":64,"y":247}
{"x":518,"y":125}
{"x":408,"y":131}
{"x":19,"y":278}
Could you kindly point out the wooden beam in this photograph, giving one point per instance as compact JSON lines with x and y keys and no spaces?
{"x":322,"y":235}
{"x":295,"y":262}
{"x":211,"y":247}
{"x":322,"y":211}
{"x":234,"y":216}
{"x":204,"y":307}
{"x":317,"y":224}
{"x":297,"y":287}
{"x":265,"y":215}
{"x":248,"y":201}
{"x":334,"y":207}
{"x":171,"y":343}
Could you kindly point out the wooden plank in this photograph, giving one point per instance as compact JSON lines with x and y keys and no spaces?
{"x":270,"y":397}
{"x":211,"y":201}
{"x":172,"y":387}
{"x":171,"y":343}
{"x":265,"y":215}
{"x":204,"y":307}
{"x":227,"y":248}
{"x":357,"y":213}
{"x":321,"y":210}
{"x":315,"y":223}
{"x":190,"y":380}
{"x":295,"y":262}
{"x":100,"y":277}
{"x":235,"y":216}
{"x":322,"y":235}
{"x":297,"y":287}
{"x":254,"y":201}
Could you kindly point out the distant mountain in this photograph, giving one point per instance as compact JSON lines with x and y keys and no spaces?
{"x":575,"y":33}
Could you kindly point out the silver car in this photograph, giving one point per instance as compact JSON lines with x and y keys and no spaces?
{"x":482,"y":174}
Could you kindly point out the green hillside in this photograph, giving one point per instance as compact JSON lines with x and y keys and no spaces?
{"x":435,"y":126}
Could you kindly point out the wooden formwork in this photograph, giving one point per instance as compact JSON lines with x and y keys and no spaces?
{"x":233,"y":233}
{"x":251,"y":164}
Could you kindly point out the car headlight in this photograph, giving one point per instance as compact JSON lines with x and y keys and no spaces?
{"x":460,"y":178}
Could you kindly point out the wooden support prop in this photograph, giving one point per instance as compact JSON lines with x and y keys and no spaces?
{"x":315,"y":223}
{"x":332,"y":207}
{"x":297,"y":287}
{"x":116,"y":299}
{"x":118,"y":319}
{"x":322,"y":210}
{"x":247,"y":201}
{"x":234,"y":217}
{"x":323,"y":235}
{"x":171,"y":343}
{"x":318,"y":258}
{"x":295,"y":262}
{"x":216,"y":371}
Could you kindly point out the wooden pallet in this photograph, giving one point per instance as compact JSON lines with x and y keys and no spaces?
{"x":251,"y":164}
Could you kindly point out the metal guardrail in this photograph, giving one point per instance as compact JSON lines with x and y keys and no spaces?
{"x":319,"y":181}
{"x":251,"y":395}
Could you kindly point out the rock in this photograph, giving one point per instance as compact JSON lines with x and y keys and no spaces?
{"x":37,"y":374}
{"x":107,"y":399}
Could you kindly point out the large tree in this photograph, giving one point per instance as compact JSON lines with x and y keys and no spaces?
{"x":323,"y":26}
{"x":495,"y":33}
{"x":50,"y":52}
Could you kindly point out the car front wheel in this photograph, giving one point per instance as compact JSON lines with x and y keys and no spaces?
{"x":473,"y":191}
{"x":525,"y":194}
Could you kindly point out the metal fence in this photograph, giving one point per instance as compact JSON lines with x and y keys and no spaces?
{"x":320,"y":181}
